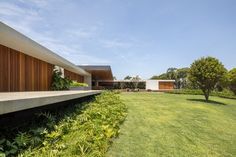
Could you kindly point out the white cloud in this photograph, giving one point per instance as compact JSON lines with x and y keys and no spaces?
{"x":73,"y":54}
{"x":19,"y":18}
{"x":37,"y":3}
{"x":11,"y":9}
{"x":82,"y":59}
{"x":24,"y":20}
{"x":115,"y":44}
{"x":82,"y":33}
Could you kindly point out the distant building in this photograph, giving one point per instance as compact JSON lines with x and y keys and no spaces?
{"x":160,"y":85}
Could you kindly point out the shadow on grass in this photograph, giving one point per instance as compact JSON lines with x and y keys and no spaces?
{"x":208,"y":102}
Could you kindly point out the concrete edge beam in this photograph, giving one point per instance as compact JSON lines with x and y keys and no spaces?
{"x":14,"y":105}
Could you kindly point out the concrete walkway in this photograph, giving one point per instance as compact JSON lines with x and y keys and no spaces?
{"x":17,"y":101}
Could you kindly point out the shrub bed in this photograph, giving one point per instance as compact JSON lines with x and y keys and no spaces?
{"x":225,"y":93}
{"x":88,"y":130}
{"x":186,"y":91}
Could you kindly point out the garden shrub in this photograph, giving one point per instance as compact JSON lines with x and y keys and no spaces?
{"x":186,"y":91}
{"x":78,"y":84}
{"x":91,"y":126}
{"x":224,"y":94}
{"x":58,"y":82}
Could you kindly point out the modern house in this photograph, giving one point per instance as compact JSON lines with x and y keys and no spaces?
{"x":28,"y":66}
{"x":26,"y":70}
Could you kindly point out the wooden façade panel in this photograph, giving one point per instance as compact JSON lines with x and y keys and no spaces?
{"x":21,"y":72}
{"x":73,"y":76}
{"x":166,"y":85}
{"x":4,"y":69}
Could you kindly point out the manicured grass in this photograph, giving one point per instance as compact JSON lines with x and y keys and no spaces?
{"x":176,"y":125}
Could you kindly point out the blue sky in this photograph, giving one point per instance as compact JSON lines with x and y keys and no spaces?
{"x":135,"y":37}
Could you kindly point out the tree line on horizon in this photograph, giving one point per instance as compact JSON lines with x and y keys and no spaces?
{"x":179,"y":75}
{"x":206,"y":73}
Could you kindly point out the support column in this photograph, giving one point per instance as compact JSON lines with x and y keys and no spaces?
{"x":88,"y":80}
{"x":96,"y":83}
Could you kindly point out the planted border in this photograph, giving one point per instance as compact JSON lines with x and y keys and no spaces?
{"x":89,"y":131}
{"x":224,"y":94}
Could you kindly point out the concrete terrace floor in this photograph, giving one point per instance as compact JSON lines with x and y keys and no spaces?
{"x":17,"y":101}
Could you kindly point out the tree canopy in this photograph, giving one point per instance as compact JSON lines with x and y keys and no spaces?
{"x":179,"y":75}
{"x":206,"y":72}
{"x":127,"y":77}
{"x":232,"y":80}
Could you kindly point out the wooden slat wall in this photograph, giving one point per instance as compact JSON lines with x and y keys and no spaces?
{"x":73,"y":76}
{"x":20,"y":72}
{"x":166,"y":85}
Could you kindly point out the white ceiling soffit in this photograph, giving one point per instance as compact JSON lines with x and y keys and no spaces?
{"x":15,"y":40}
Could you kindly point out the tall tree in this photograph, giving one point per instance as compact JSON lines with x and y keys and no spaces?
{"x":171,"y":73}
{"x":162,"y":77}
{"x":232,"y":80}
{"x":127,"y":84}
{"x":181,"y":77}
{"x":206,"y":73}
{"x":135,"y":81}
{"x":127,"y":77}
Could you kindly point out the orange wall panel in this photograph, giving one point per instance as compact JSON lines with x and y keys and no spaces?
{"x":166,"y":85}
{"x":20,"y":72}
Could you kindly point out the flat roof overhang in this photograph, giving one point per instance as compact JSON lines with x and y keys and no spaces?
{"x":162,"y":80}
{"x":18,"y":101}
{"x":13,"y":39}
{"x":98,"y":72}
{"x":118,"y":81}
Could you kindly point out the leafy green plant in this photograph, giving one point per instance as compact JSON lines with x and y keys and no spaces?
{"x":22,"y":139}
{"x":85,"y":129}
{"x":93,"y":129}
{"x":78,"y":84}
{"x":58,"y":82}
{"x":2,"y":141}
{"x":8,"y":148}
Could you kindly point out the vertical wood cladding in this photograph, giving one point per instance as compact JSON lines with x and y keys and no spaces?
{"x":73,"y":76}
{"x":166,"y":85}
{"x":20,"y":72}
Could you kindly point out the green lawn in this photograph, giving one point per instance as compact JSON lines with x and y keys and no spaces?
{"x":176,"y":125}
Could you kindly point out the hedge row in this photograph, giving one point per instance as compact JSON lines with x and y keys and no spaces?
{"x":225,"y":93}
